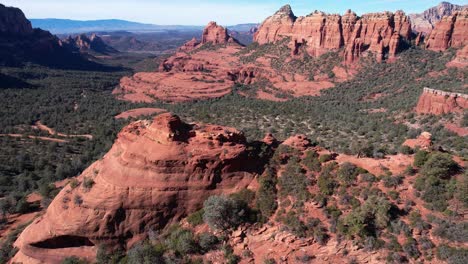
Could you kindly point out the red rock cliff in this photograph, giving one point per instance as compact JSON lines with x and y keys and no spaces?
{"x":156,"y":172}
{"x":451,"y":31}
{"x":320,"y":32}
{"x":439,"y":102}
{"x":424,"y":23}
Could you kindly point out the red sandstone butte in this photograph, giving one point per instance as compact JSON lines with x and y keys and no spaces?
{"x":451,"y":31}
{"x":320,"y":32}
{"x":440,"y":102}
{"x":156,"y":173}
{"x":424,"y":141}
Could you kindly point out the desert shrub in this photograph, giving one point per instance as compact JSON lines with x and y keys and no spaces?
{"x":394,"y":245}
{"x":396,"y":258}
{"x":410,"y":171}
{"x":394,"y":195}
{"x":406,"y":150}
{"x":325,"y":158}
{"x":462,"y":187}
{"x":266,"y":194}
{"x":392,"y":181}
{"x":347,"y":173}
{"x":77,"y":199}
{"x":326,"y":181}
{"x":426,"y":243}
{"x":452,"y":255}
{"x":144,"y":253}
{"x":181,"y":241}
{"x":410,"y":247}
{"x":311,"y":161}
{"x":294,"y":224}
{"x":397,"y":227}
{"x":452,"y":231}
{"x":269,"y":261}
{"x":368,"y":177}
{"x":74,"y":260}
{"x":223,"y":213}
{"x":416,"y":221}
{"x":293,"y":181}
{"x":439,"y":165}
{"x":74,"y":183}
{"x":420,"y":158}
{"x":371,"y":243}
{"x":207,"y":241}
{"x":371,"y":216}
{"x":434,"y":181}
{"x":196,"y":218}
{"x":88,"y":183}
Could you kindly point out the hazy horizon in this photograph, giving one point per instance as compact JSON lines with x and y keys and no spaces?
{"x":182,"y":12}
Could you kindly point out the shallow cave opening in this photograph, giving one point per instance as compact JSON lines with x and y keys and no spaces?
{"x":64,"y":242}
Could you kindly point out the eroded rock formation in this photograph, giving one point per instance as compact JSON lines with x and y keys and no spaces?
{"x":93,"y":44}
{"x":216,"y":35}
{"x":320,"y":32}
{"x":439,"y":102}
{"x":451,"y":31}
{"x":156,"y":173}
{"x":424,"y":23}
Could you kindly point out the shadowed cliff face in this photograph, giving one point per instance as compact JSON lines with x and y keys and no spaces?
{"x":156,"y":173}
{"x":20,"y":43}
{"x":320,"y":32}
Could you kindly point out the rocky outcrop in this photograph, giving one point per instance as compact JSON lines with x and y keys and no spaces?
{"x":461,"y":59}
{"x":91,"y":44}
{"x":320,"y":32}
{"x":440,"y":102}
{"x":190,"y":45}
{"x":212,"y":34}
{"x":423,"y":141}
{"x":156,"y":173}
{"x":451,"y":31}
{"x":216,"y":35}
{"x":424,"y":23}
{"x":13,"y":21}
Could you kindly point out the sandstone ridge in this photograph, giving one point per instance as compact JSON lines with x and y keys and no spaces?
{"x":157,"y":172}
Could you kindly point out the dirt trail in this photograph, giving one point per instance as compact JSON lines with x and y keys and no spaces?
{"x":51,"y":131}
{"x":34,"y":137}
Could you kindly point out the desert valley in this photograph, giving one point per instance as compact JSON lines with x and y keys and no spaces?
{"x":324,"y":138}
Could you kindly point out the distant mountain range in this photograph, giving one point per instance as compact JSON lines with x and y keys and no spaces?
{"x":67,"y":26}
{"x":64,"y":26}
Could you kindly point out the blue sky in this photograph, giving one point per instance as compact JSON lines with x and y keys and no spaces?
{"x":199,"y":12}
